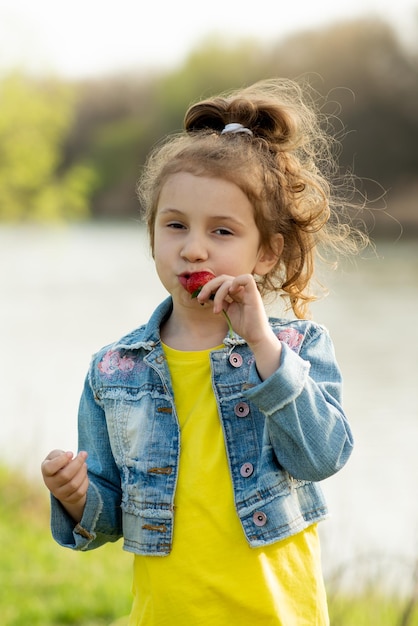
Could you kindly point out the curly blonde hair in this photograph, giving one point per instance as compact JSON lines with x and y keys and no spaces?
{"x":285,"y":169}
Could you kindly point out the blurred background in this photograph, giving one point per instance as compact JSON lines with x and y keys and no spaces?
{"x":86,"y":89}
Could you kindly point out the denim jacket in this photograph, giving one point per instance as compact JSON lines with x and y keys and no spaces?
{"x":282,"y":436}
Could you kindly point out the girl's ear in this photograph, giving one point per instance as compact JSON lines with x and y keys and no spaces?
{"x":268,"y":257}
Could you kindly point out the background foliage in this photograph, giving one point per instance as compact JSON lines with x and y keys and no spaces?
{"x":35,"y":121}
{"x":71,"y":151}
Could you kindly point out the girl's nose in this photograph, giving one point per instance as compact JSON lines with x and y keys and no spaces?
{"x":194,"y":249}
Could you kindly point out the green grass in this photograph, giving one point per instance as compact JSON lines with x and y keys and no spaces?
{"x":42,"y":584}
{"x":370,"y":610}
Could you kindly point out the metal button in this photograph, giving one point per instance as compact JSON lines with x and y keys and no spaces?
{"x":246,"y":469}
{"x":235,"y":359}
{"x":241,"y":409}
{"x":259,"y":518}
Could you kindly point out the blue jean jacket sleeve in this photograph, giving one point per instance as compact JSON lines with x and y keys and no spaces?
{"x":99,"y":523}
{"x":301,"y":401}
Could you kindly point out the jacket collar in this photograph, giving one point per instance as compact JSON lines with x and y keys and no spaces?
{"x":148,"y":335}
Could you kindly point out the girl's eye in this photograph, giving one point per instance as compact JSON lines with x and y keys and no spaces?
{"x":223,"y":231}
{"x":175,"y":225}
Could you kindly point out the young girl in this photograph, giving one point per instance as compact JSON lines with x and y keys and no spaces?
{"x":200,"y":445}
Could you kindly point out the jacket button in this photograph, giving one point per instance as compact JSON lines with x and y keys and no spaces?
{"x":259,"y":518}
{"x":241,"y":409}
{"x":246,"y":469}
{"x":235,"y":359}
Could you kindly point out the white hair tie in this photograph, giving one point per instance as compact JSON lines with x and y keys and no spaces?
{"x":236,"y":128}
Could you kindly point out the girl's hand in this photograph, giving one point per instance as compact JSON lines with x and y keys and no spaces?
{"x":240,"y":298}
{"x":66,"y":478}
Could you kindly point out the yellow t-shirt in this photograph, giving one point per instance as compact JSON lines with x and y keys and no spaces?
{"x":212,"y":576}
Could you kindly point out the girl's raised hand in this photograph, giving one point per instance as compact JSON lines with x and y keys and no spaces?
{"x":240,"y":298}
{"x":66,"y":478}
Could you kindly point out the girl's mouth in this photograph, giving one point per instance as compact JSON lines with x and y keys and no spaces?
{"x":183,"y":280}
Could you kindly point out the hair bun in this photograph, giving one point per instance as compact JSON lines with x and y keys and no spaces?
{"x":259,"y":114}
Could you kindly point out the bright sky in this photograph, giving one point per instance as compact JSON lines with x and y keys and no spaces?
{"x":91,"y":37}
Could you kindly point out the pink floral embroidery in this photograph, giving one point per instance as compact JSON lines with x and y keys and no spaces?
{"x":112,"y":361}
{"x":291,"y":337}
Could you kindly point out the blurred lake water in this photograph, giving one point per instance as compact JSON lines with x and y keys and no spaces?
{"x":67,"y":291}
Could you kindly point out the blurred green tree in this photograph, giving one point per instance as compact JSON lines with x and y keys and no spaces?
{"x":114,"y":129}
{"x":35,"y":119}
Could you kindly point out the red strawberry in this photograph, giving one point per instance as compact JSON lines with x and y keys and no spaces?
{"x":195,"y":282}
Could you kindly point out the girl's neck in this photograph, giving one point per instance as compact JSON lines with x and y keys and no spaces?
{"x":188,"y":335}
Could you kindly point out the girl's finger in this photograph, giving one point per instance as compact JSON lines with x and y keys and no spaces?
{"x":55,"y":461}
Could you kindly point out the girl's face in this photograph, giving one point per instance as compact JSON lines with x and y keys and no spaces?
{"x":204,"y":224}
